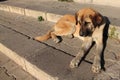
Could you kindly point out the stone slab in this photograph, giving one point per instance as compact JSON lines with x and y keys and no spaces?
{"x":34,"y":13}
{"x":53,"y":17}
{"x":52,"y":62}
{"x":49,"y":60}
{"x":10,"y":66}
{"x":3,"y":59}
{"x":9,"y":70}
{"x":4,"y":75}
{"x":61,"y":8}
{"x":17,"y":10}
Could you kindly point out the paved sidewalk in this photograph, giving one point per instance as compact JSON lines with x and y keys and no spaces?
{"x":61,"y":8}
{"x":47,"y":60}
{"x":9,"y":70}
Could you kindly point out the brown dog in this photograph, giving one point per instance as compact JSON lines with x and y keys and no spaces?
{"x":66,"y":26}
{"x":87,"y":25}
{"x":92,"y":26}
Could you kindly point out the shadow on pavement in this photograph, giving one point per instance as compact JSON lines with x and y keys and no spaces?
{"x":2,"y":0}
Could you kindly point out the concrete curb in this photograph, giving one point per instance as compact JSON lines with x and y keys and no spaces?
{"x":47,"y":16}
{"x":26,"y":65}
{"x":32,"y":13}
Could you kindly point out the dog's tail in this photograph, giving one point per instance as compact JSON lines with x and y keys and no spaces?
{"x":44,"y":37}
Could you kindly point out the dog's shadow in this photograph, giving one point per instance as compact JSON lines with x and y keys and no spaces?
{"x":2,"y":0}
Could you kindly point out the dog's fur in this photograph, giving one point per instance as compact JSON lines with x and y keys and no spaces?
{"x":88,"y":25}
{"x":65,"y":26}
{"x":92,"y":26}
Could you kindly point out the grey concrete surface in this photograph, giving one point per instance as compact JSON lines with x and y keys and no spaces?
{"x":100,"y":2}
{"x":65,"y":8}
{"x":52,"y":61}
{"x":9,"y":70}
{"x":17,"y":31}
{"x":4,"y":75}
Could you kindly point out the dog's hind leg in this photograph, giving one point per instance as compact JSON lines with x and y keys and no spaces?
{"x":70,"y":36}
{"x":54,"y":37}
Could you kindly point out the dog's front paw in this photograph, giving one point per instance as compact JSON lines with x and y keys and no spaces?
{"x":96,"y":68}
{"x":74,"y":63}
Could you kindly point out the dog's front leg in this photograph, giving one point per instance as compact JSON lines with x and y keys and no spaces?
{"x":85,"y":47}
{"x":96,"y":67}
{"x":98,"y":38}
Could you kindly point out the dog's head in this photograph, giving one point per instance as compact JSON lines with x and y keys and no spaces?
{"x":89,"y":19}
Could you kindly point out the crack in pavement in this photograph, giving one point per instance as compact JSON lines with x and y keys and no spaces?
{"x":16,"y":31}
{"x":5,"y":72}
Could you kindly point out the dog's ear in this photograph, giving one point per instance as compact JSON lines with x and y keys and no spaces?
{"x":98,"y":18}
{"x":76,"y":18}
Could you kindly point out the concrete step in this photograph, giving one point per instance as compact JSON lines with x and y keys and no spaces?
{"x":9,"y":70}
{"x":47,"y":60}
{"x":52,"y":10}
